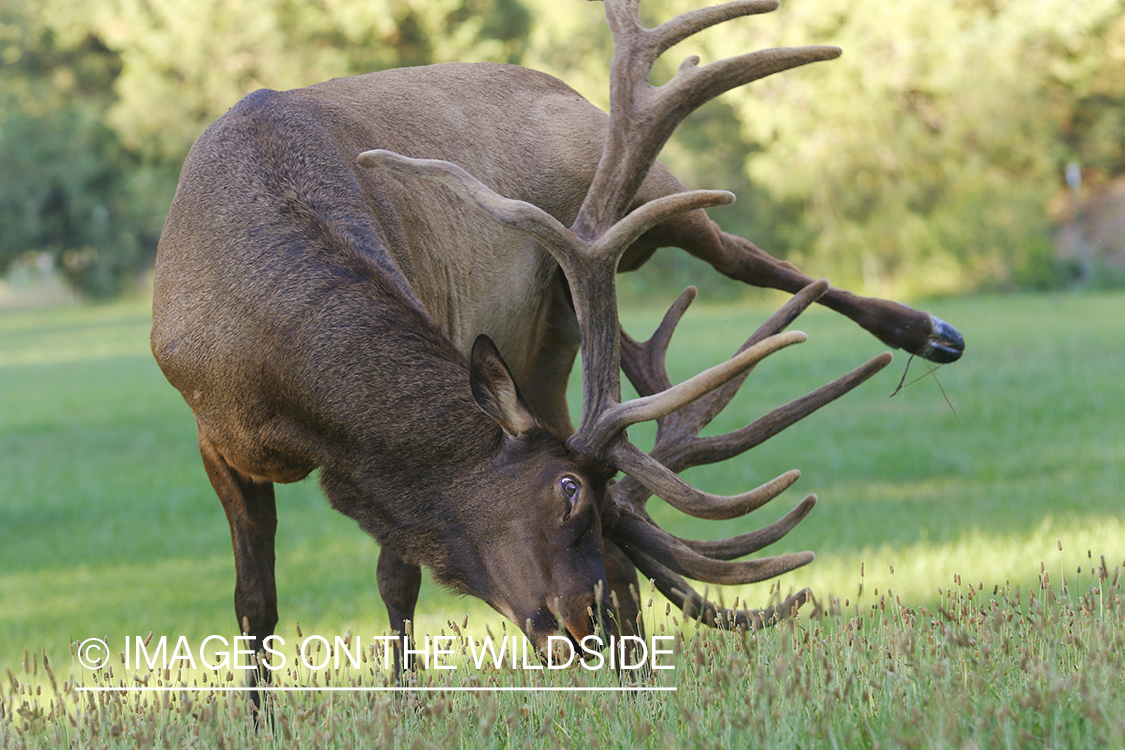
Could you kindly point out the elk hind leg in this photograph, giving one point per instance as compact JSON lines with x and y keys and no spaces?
{"x":895,"y":324}
{"x":252,"y":515}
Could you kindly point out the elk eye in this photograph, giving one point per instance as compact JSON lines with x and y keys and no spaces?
{"x":569,"y":487}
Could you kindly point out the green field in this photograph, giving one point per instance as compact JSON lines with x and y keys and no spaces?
{"x":108,"y":527}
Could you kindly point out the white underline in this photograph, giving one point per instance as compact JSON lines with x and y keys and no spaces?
{"x":421,"y":689}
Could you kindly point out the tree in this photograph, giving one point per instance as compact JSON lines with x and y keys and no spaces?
{"x":103,"y":98}
{"x":921,"y":161}
{"x":185,"y":62}
{"x":69,"y":191}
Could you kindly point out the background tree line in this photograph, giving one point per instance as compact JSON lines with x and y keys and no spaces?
{"x":922,"y":161}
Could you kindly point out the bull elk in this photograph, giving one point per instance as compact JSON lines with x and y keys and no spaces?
{"x":388,"y":277}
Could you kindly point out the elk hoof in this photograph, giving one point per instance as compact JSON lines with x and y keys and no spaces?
{"x":945,"y":343}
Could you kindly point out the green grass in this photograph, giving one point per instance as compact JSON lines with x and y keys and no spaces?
{"x":109,"y":527}
{"x":987,"y":669}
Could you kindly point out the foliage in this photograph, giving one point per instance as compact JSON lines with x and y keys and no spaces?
{"x":103,"y":98}
{"x":923,"y":158}
{"x":70,"y":195}
{"x":920,"y":162}
{"x":185,"y":63}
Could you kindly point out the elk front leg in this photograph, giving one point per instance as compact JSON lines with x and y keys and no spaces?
{"x":625,"y":594}
{"x":624,"y":591}
{"x":892,"y":323}
{"x":252,"y":515}
{"x":399,"y":582}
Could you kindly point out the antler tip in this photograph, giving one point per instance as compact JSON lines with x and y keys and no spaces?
{"x":822,"y":52}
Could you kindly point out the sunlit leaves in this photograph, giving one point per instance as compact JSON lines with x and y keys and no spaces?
{"x":920,"y":161}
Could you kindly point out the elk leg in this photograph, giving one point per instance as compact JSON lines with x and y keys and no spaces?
{"x":399,"y":582}
{"x":624,"y":591}
{"x":894,"y":324}
{"x":252,"y":515}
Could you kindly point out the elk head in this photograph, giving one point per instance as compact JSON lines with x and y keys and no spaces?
{"x":492,"y":502}
{"x":534,"y":522}
{"x":642,"y":118}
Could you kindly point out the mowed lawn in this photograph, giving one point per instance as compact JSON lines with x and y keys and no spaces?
{"x":108,"y":526}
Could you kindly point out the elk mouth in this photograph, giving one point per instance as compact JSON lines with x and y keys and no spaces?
{"x":547,"y":634}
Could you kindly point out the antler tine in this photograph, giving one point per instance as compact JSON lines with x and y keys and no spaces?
{"x":613,"y":420}
{"x":684,"y":596}
{"x":670,"y":33}
{"x":579,"y":259}
{"x":788,"y":312}
{"x":745,"y":544}
{"x":532,"y":220}
{"x":592,"y":276}
{"x":629,"y":496}
{"x":703,"y":411}
{"x":700,"y":451}
{"x":630,"y":150}
{"x":644,"y":363}
{"x":677,"y":446}
{"x":692,"y":86}
{"x":666,"y":558}
{"x":634,"y":532}
{"x":724,"y":549}
{"x":664,"y":482}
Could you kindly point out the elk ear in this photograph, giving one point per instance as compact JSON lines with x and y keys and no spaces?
{"x":495,"y":389}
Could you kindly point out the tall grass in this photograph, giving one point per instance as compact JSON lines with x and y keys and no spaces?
{"x":1000,"y":668}
{"x":109,"y":527}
